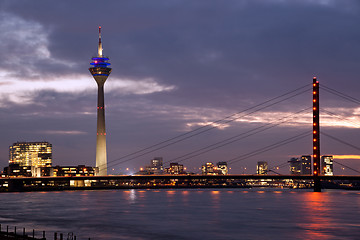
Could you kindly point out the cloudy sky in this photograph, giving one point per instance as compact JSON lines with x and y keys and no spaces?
{"x":179,"y":66}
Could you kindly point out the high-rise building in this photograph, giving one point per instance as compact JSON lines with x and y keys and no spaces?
{"x":34,"y":154}
{"x":222,"y":168}
{"x":295,"y":166}
{"x":306,"y":165}
{"x":262,"y":168}
{"x":100,"y":71}
{"x":327,"y":165}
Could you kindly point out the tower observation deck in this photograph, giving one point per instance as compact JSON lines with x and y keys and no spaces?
{"x":100,"y":70}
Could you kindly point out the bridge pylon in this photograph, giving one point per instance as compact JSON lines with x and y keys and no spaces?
{"x":316,"y":136}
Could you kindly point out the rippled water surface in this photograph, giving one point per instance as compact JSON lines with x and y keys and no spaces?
{"x":187,"y":214}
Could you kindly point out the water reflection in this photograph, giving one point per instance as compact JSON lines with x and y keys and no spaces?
{"x":188,"y":214}
{"x":317,"y":215}
{"x":132,"y":197}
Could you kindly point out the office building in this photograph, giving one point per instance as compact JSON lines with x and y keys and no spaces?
{"x":100,"y":71}
{"x":262,"y":168}
{"x":33,"y":154}
{"x":327,"y":165}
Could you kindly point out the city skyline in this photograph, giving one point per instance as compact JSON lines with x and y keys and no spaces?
{"x":178,"y":67}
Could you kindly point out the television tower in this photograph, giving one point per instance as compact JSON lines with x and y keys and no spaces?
{"x":100,"y":71}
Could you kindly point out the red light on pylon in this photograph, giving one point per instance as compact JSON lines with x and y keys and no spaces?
{"x":314,"y":108}
{"x":315,"y":172}
{"x":314,"y":148}
{"x":314,"y":163}
{"x":314,"y":132}
{"x":314,"y":92}
{"x":314,"y":139}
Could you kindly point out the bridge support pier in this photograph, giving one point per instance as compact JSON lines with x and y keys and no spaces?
{"x":317,"y":185}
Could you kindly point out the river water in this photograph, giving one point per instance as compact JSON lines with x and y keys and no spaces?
{"x":187,"y":213}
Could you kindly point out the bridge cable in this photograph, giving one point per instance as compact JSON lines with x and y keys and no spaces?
{"x":169,"y":144}
{"x":347,"y":166}
{"x":340,"y":117}
{"x":340,"y":94}
{"x":210,"y":124}
{"x":339,"y":140}
{"x":277,"y":167}
{"x":236,"y":138}
{"x":269,"y":147}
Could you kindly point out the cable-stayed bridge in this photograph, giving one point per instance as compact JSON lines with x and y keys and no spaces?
{"x":315,"y":132}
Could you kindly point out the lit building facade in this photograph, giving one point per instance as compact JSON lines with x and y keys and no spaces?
{"x":34,"y":154}
{"x":175,"y":168}
{"x":210,"y":169}
{"x":100,"y":71}
{"x":262,"y":168}
{"x":222,"y":167}
{"x":70,"y":171}
{"x":327,"y":165}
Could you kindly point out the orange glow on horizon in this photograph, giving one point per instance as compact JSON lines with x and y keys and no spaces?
{"x":346,"y":156}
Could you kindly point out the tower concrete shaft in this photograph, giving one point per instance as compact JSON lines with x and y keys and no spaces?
{"x":100,"y":71}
